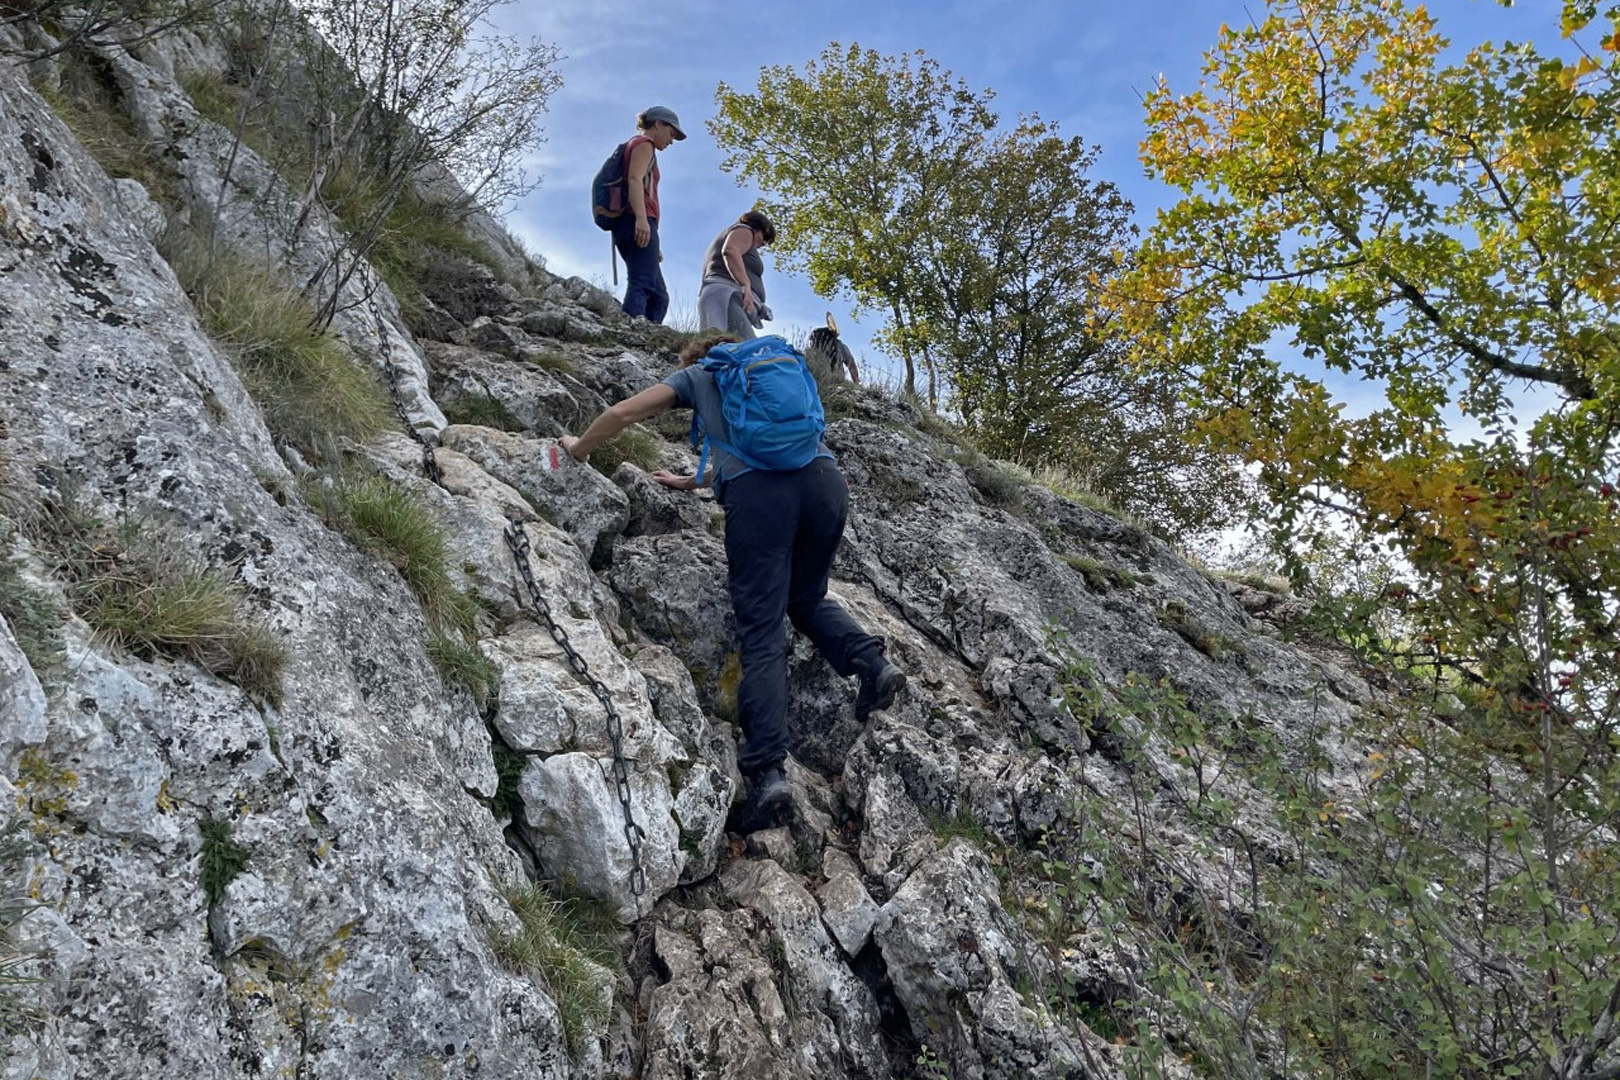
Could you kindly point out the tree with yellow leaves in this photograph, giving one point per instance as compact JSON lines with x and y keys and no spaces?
{"x":1366,"y":211}
{"x":1447,"y":236}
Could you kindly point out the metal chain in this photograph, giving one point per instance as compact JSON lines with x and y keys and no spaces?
{"x":518,"y":541}
{"x":430,"y":463}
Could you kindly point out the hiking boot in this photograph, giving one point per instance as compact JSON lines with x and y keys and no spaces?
{"x":768,"y":802}
{"x":878,"y":689}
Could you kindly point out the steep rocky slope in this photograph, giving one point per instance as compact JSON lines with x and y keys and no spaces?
{"x":359,"y":936}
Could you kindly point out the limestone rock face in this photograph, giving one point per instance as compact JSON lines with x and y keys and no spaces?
{"x":315,"y":882}
{"x":355,"y":938}
{"x":717,"y":1009}
{"x":22,"y":700}
{"x":577,"y":498}
{"x":840,"y":1011}
{"x":955,"y":959}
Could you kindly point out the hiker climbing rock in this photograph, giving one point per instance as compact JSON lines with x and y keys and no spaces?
{"x":732,"y":296}
{"x":635,"y":234}
{"x":786,"y":503}
{"x":828,"y":354}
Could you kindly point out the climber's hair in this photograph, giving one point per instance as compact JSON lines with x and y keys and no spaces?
{"x":698,"y":348}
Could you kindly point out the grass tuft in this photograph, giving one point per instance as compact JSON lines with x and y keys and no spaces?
{"x":397,"y":525}
{"x":462,"y":662}
{"x":550,"y":361}
{"x":557,"y":946}
{"x":412,"y":240}
{"x":20,"y":1011}
{"x":256,"y":660}
{"x":393,"y":522}
{"x":34,"y":616}
{"x":146,"y":596}
{"x":312,"y":392}
{"x":965,"y":825}
{"x":1065,"y":483}
{"x":87,"y":99}
{"x":995,"y":485}
{"x":482,"y":410}
{"x":1100,"y":577}
{"x":932,"y":424}
{"x":634,"y":444}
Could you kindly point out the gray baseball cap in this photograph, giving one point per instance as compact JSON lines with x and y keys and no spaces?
{"x":667,"y":115}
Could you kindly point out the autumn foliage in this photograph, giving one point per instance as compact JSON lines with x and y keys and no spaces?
{"x":1395,"y":269}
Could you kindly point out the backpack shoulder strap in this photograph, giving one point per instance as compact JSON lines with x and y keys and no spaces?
{"x":652,"y":159}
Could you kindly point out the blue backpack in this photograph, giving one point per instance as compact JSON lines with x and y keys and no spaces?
{"x":770,"y":402}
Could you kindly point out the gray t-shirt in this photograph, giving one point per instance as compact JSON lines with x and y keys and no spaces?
{"x":694,"y":389}
{"x":715,"y":268}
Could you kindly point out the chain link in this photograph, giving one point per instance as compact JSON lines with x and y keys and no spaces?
{"x":518,"y":541}
{"x":430,"y":462}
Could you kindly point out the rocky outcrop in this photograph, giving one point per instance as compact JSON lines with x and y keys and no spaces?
{"x":375,"y":813}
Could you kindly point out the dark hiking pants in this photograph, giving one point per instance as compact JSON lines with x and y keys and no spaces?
{"x":782,"y":531}
{"x":644,"y":292}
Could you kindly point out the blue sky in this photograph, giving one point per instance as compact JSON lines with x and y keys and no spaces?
{"x":1083,"y":63}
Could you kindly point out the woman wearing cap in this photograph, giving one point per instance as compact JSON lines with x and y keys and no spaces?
{"x":635,"y":234}
{"x":732,"y":296}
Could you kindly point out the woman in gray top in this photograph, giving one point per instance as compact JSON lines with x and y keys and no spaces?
{"x":733,"y":290}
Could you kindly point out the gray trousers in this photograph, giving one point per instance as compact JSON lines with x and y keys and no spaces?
{"x":720,"y":307}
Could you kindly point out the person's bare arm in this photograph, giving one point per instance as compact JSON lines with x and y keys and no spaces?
{"x":634,"y":173}
{"x":738,"y":241}
{"x":615,"y":418}
{"x":680,"y":482}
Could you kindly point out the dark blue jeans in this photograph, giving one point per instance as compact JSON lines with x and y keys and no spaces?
{"x":644,"y":291}
{"x":782,"y":532}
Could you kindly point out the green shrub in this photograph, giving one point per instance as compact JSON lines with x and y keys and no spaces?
{"x":557,"y":947}
{"x":312,"y":392}
{"x":220,"y":859}
{"x":1357,"y":919}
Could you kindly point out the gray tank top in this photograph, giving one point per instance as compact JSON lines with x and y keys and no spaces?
{"x":714,"y":262}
